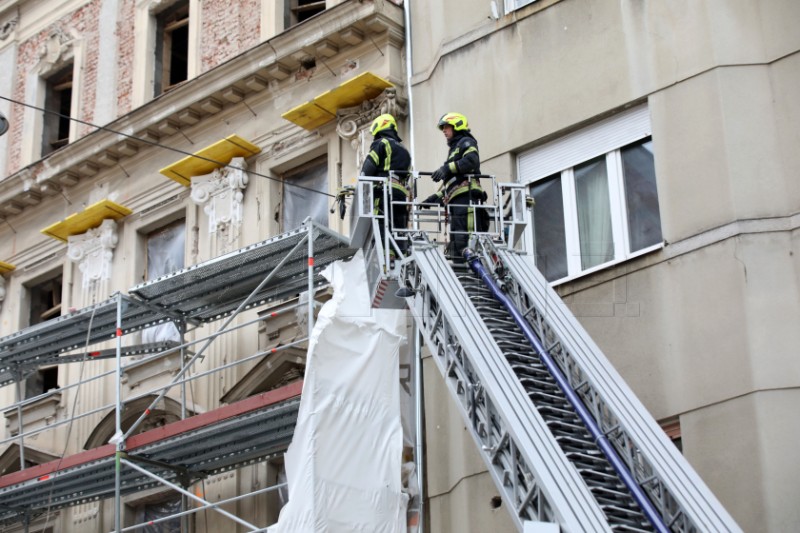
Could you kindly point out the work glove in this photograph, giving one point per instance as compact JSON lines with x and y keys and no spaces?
{"x":432,"y":199}
{"x":442,"y":173}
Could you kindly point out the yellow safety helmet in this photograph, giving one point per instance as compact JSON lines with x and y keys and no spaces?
{"x":382,"y":123}
{"x":457,"y":120}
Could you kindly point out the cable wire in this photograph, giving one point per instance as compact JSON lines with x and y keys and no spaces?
{"x":72,"y":412}
{"x":159,"y":145}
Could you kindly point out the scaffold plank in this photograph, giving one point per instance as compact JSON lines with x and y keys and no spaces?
{"x":222,"y":439}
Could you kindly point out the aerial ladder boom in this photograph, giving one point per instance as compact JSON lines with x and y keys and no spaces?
{"x":564,"y":438}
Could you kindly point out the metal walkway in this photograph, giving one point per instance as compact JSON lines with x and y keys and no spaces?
{"x":545,"y":463}
{"x":182,"y":452}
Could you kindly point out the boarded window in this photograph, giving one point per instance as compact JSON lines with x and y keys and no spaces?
{"x":305,"y":194}
{"x":165,"y":254}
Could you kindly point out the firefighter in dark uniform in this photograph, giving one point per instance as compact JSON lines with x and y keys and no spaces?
{"x":458,"y":191}
{"x":387,"y":153}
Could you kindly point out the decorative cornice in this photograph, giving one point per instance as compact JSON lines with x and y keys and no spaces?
{"x":267,"y":65}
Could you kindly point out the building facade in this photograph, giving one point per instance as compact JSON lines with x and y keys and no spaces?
{"x":657,"y":140}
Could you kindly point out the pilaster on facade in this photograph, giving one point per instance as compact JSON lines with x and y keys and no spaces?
{"x":93,"y":251}
{"x":221,"y":195}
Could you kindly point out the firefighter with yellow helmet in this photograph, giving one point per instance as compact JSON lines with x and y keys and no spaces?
{"x":458,"y":190}
{"x":387,"y":153}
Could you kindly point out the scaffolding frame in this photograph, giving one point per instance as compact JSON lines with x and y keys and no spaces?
{"x":255,"y":429}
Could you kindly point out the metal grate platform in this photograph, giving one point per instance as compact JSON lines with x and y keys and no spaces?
{"x":212,"y":290}
{"x":223,"y":439}
{"x":201,"y":293}
{"x":43,"y":343}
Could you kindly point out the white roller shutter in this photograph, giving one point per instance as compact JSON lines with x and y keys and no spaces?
{"x":595,"y":140}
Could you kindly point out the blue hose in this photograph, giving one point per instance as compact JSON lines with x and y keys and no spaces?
{"x":602,"y":442}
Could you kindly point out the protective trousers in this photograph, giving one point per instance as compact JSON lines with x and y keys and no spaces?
{"x":399,"y":214}
{"x":464,"y":220}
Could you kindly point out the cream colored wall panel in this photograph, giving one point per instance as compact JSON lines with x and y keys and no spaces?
{"x":779,"y":434}
{"x":451,"y":456}
{"x":771,"y":288}
{"x":758,"y":187}
{"x":668,"y":329}
{"x":723,"y":443}
{"x":759,"y":31}
{"x":469,"y":508}
{"x":691,"y":162}
{"x":784,"y":75}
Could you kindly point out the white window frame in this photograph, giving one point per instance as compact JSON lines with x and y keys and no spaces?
{"x":144,"y":60}
{"x":605,"y":138}
{"x":59,"y":55}
{"x":513,"y":5}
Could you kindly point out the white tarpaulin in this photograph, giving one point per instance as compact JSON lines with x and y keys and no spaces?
{"x":344,"y":463}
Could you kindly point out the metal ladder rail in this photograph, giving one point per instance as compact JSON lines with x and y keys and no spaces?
{"x":534,"y":478}
{"x":577,"y":443}
{"x":682,"y":498}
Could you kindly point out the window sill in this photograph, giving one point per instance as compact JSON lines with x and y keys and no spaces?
{"x":608,"y":265}
{"x":35,"y":415}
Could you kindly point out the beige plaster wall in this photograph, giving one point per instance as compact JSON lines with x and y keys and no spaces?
{"x":460,"y":491}
{"x":705,"y":332}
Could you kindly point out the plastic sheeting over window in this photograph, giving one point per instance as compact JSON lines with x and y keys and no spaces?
{"x":165,"y":254}
{"x":344,"y":463}
{"x":302,"y":198}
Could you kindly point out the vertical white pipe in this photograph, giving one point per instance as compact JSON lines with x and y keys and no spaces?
{"x":419,"y":406}
{"x":310,"y":279}
{"x":118,"y":414}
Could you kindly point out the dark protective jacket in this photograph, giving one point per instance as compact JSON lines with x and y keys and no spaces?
{"x":386,"y":153}
{"x":463,"y":158}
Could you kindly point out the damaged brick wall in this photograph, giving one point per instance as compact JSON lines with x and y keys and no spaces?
{"x":126,"y":41}
{"x":82,"y":22}
{"x":228,"y":29}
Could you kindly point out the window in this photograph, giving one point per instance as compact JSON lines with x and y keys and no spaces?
{"x":161,"y":506}
{"x":172,"y":47}
{"x":300,"y":10}
{"x":165,"y":254}
{"x":601,"y":210}
{"x":58,"y":110}
{"x":301,"y":198}
{"x":512,"y":5}
{"x":41,"y":381}
{"x":45,"y":300}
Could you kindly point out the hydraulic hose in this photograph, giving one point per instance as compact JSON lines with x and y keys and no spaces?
{"x":603,"y":443}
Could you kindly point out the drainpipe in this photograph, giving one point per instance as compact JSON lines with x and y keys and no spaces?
{"x":409,"y":71}
{"x":418,"y":400}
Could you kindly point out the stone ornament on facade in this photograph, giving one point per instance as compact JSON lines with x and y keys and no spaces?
{"x":221,"y":194}
{"x":94,"y":251}
{"x":58,"y":48}
{"x":7,"y":26}
{"x":353,"y":122}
